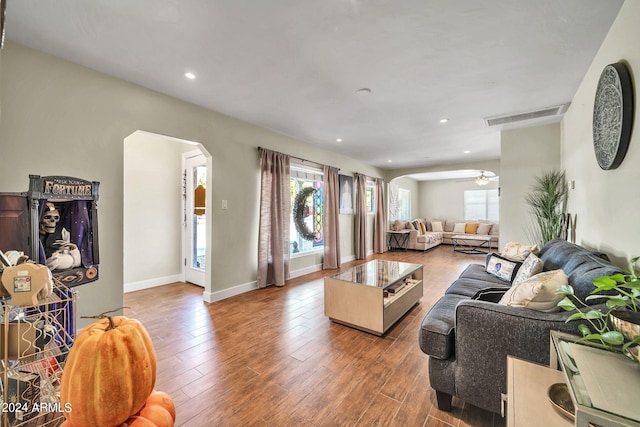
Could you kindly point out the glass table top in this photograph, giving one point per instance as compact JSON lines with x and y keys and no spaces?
{"x":599,"y":379}
{"x":377,"y":273}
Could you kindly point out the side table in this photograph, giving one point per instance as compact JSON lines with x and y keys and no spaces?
{"x":397,"y":240}
{"x":527,"y":402}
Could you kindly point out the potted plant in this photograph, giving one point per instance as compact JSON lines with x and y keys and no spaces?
{"x":547,"y":202}
{"x":618,"y":328}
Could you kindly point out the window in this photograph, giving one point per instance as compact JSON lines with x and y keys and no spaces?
{"x":404,"y":200}
{"x":481,"y":204}
{"x":306,"y":210}
{"x":371,"y":197}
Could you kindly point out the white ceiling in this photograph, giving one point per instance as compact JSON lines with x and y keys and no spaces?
{"x":295,"y":66}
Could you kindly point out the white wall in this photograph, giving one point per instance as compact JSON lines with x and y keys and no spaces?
{"x":62,"y":119}
{"x":524,"y":154}
{"x":606,"y":202}
{"x":152,"y":210}
{"x":444,"y":199}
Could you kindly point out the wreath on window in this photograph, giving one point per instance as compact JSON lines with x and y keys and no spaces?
{"x":301,"y":211}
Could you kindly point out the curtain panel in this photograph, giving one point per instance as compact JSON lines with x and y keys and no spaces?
{"x":275,"y":212}
{"x":360,"y":229}
{"x":331,"y":200}
{"x":380,"y":221}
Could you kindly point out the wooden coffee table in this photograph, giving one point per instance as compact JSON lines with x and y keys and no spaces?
{"x":470,"y":244}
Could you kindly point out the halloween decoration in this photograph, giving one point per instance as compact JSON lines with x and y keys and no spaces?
{"x":109,"y":373}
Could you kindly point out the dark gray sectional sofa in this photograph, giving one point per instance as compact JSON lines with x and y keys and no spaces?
{"x":468,"y":339}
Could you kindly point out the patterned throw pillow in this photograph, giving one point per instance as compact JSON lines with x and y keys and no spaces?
{"x":436,"y":226}
{"x":530,"y":267}
{"x":537,"y":292}
{"x":458,"y":228}
{"x":416,"y":225}
{"x":502,"y":268}
{"x":517,"y":251}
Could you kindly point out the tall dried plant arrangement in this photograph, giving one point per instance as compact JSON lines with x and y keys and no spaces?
{"x":547,"y":202}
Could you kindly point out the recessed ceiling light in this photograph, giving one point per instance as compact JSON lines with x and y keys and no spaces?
{"x":190,"y":75}
{"x":363,"y":91}
{"x":466,"y":151}
{"x":389,"y":161}
{"x":445,"y":120}
{"x":338,"y":139}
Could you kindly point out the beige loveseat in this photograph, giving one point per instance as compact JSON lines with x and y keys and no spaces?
{"x":419,"y":240}
{"x":452,"y":228}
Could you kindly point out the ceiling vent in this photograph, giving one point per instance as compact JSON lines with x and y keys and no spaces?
{"x":556,"y":110}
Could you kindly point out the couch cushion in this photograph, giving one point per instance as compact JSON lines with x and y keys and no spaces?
{"x":495,"y":229}
{"x":537,"y":292}
{"x":437,"y":335}
{"x":502,"y":268}
{"x":479,"y":272}
{"x":450,"y":224}
{"x":579,"y":264}
{"x":470,"y":287}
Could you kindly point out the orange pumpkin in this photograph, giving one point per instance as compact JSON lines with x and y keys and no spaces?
{"x":137,"y":421}
{"x":162,"y":399}
{"x":109,"y":373}
{"x":157,"y":415}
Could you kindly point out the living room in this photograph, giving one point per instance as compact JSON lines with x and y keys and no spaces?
{"x":59,"y":118}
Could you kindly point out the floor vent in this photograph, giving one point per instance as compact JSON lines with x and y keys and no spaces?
{"x":556,"y":110}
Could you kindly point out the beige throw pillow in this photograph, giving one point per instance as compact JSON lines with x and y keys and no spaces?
{"x":529,"y":268}
{"x":538,"y":292}
{"x":436,"y":225}
{"x":517,"y":251}
{"x":459,"y":227}
{"x":483,"y":229}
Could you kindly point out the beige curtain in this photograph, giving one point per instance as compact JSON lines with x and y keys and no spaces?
{"x":380,"y":221}
{"x":331,"y":201}
{"x":360,"y":229}
{"x":275,"y":211}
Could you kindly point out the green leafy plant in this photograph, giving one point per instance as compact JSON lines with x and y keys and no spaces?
{"x":597,"y":325}
{"x":547,"y":201}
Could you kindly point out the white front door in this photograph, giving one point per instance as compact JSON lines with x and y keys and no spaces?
{"x":195,"y":241}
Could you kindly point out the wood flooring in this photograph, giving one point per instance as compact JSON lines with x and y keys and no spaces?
{"x":270,"y":357}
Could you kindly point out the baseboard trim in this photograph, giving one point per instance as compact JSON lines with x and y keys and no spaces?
{"x":306,"y":270}
{"x":229,"y":292}
{"x":152,"y":283}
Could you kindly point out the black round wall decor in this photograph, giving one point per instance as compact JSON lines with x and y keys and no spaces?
{"x":612,"y":115}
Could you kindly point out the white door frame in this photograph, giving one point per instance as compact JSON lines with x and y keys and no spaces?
{"x":191,"y":160}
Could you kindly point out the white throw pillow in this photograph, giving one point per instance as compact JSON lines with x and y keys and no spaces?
{"x":529,"y":268}
{"x":436,"y":225}
{"x":459,"y":227}
{"x":517,"y":251}
{"x":538,"y":292}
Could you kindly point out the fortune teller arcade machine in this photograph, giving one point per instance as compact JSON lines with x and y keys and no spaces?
{"x":55,"y":224}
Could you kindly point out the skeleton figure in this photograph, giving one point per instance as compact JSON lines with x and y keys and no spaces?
{"x":49,"y":221}
{"x":59,"y":251}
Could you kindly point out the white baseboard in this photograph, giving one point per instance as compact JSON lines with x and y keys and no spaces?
{"x":347,"y":259}
{"x":152,"y":283}
{"x":229,"y":292}
{"x":306,"y":270}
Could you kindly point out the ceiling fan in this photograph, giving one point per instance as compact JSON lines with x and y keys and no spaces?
{"x":482,"y":179}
